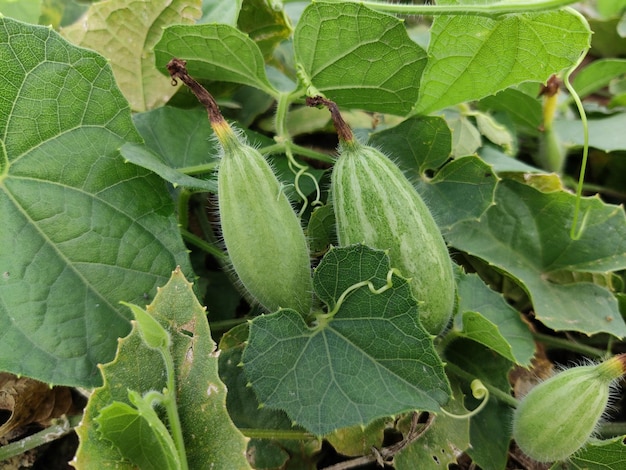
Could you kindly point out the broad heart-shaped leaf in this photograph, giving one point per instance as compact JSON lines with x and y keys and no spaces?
{"x":80,"y":229}
{"x":470,"y":57}
{"x":462,"y":189}
{"x":358,"y":57}
{"x":214,"y":52}
{"x":485,"y":317}
{"x":526,"y":234}
{"x":211,"y":439}
{"x":370,"y":359}
{"x":125,"y":32}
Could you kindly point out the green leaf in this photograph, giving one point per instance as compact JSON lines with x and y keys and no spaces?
{"x":266,"y":25}
{"x":125,"y":32}
{"x":144,"y":440}
{"x":359,"y":440}
{"x":527,"y":235}
{"x":211,"y":439}
{"x":470,"y":57}
{"x":141,"y":155}
{"x":466,"y":138}
{"x":151,"y":331}
{"x":220,"y":11}
{"x":604,"y":134}
{"x":597,"y":75}
{"x":321,"y":229}
{"x":333,"y":374}
{"x":523,"y":109}
{"x":485,"y":317}
{"x":600,"y":455}
{"x":23,"y":10}
{"x":215,"y":52}
{"x":81,"y":229}
{"x":180,"y":137}
{"x":490,"y":429}
{"x":441,"y":443}
{"x":418,"y":144}
{"x":460,"y":189}
{"x":358,"y":57}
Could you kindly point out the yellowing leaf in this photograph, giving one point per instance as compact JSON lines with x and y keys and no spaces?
{"x":125,"y":32}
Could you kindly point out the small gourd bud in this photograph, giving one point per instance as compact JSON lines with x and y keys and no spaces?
{"x":558,"y":416}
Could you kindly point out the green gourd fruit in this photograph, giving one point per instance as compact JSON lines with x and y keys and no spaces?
{"x":375,"y":204}
{"x":557,"y":417}
{"x":263,"y":235}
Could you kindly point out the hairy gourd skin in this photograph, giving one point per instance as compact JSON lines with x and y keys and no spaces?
{"x":262,"y":233}
{"x":558,"y":416}
{"x":377,"y":205}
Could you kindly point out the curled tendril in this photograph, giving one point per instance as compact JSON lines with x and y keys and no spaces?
{"x":480,"y":392}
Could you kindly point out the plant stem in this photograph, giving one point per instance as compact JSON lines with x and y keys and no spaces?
{"x":58,"y":429}
{"x":298,"y":149}
{"x":202,"y":244}
{"x":567,"y":344}
{"x":495,"y":392}
{"x":198,"y":169}
{"x":608,"y":430}
{"x":279,"y":434}
{"x":491,"y":10}
{"x":171,"y":408}
{"x":183,"y":208}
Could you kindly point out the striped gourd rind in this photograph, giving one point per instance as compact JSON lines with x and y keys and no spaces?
{"x":376,"y":204}
{"x":263,"y":235}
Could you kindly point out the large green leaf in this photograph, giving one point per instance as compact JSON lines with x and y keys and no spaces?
{"x":371,"y":358}
{"x":211,"y":440}
{"x":527,"y":235}
{"x":81,"y":229}
{"x":470,"y":57}
{"x":214,"y":52}
{"x":125,"y":32}
{"x":358,"y":57}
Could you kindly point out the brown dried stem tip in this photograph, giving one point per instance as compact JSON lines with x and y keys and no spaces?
{"x":177,"y":69}
{"x":343,"y":129}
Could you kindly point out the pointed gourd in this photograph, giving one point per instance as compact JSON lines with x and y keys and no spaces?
{"x":375,"y":204}
{"x":263,"y":235}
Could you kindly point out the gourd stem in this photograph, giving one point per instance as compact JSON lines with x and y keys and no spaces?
{"x":177,"y":69}
{"x":343,"y":129}
{"x":569,"y":345}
